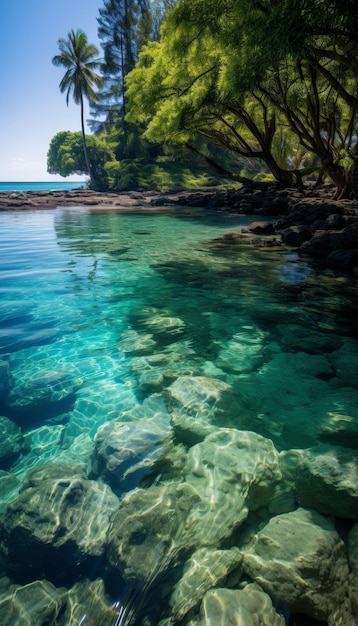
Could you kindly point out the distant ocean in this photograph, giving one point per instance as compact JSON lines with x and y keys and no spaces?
{"x":38,"y":186}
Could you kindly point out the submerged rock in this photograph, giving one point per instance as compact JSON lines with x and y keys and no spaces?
{"x":134,"y":343}
{"x":207,"y":401}
{"x":59,"y":519}
{"x":149,"y":532}
{"x":87,"y":602}
{"x":127,"y":451}
{"x":299,"y":559}
{"x":9,"y":488}
{"x":204,"y":570}
{"x":40,"y":383}
{"x":243,"y":352}
{"x":5,"y":378}
{"x":37,"y":603}
{"x":250,"y":606}
{"x":11,"y":439}
{"x":232,"y":472}
{"x":327,"y":480}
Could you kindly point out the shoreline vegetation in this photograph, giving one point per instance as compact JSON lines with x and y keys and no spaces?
{"x":309,"y":221}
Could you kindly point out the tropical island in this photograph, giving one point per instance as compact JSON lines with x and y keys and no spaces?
{"x":249,"y":103}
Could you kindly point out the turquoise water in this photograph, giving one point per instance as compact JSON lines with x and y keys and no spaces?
{"x":129,"y":341}
{"x":40,"y":186}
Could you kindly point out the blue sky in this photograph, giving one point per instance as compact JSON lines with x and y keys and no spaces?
{"x":32,"y":109}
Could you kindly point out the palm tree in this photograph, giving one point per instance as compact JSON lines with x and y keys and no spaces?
{"x":79,"y":59}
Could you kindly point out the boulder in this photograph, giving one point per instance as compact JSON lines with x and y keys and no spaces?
{"x":300,"y":561}
{"x":135,"y":343}
{"x":36,"y":603}
{"x":327,"y":480}
{"x":345,"y":363}
{"x":87,"y":602}
{"x":204,"y":570}
{"x":59,"y":520}
{"x":231,"y":472}
{"x":322,"y":243}
{"x":9,"y":488}
{"x":126,"y":451}
{"x":260,"y":228}
{"x":149,"y":532}
{"x":208,"y":401}
{"x":40,"y":383}
{"x":296,"y":235}
{"x":250,"y":606}
{"x":344,"y":258}
{"x":243,"y":352}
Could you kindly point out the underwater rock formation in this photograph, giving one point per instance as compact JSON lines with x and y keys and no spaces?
{"x":127,"y":451}
{"x":204,"y":570}
{"x":11,"y":439}
{"x":250,"y":606}
{"x":87,"y":602}
{"x":232,"y":472}
{"x":39,"y":382}
{"x":327,"y":480}
{"x":208,"y":401}
{"x":36,"y":603}
{"x":243,"y":353}
{"x":299,"y":558}
{"x":59,"y":519}
{"x":149,"y":532}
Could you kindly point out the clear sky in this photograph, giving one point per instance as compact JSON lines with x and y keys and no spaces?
{"x":32,"y":109}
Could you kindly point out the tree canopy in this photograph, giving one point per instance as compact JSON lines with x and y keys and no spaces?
{"x":268,"y":81}
{"x":240,"y":71}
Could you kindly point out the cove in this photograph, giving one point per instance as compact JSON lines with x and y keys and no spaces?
{"x":179,"y":424}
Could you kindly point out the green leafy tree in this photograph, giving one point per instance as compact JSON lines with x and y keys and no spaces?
{"x":179,"y":89}
{"x":66,"y":156}
{"x":239,"y":71}
{"x":304,"y":56}
{"x":80,"y":79}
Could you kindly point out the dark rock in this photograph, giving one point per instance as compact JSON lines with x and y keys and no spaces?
{"x":350,"y":235}
{"x":309,"y":210}
{"x":295,"y":235}
{"x":260,"y":228}
{"x":335,"y":221}
{"x":344,"y":258}
{"x":322,"y":243}
{"x":275,"y":206}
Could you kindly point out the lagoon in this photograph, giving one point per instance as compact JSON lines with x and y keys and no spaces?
{"x":167,"y":396}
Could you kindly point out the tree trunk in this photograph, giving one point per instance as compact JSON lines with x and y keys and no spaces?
{"x":349,"y":188}
{"x":339,"y":176}
{"x":85,"y":150}
{"x":286,"y":178}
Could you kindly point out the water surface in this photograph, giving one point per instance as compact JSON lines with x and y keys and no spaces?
{"x":105,"y":314}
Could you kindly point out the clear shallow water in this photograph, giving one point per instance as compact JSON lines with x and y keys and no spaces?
{"x":110,"y":316}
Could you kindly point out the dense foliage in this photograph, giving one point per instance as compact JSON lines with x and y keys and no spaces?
{"x":272,"y":82}
{"x":66,"y":156}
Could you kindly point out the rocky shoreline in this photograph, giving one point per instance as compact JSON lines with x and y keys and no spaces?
{"x":310,"y":221}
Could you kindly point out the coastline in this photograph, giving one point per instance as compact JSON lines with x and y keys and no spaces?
{"x":311,"y":222}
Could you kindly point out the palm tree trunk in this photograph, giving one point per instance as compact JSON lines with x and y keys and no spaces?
{"x":85,"y":150}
